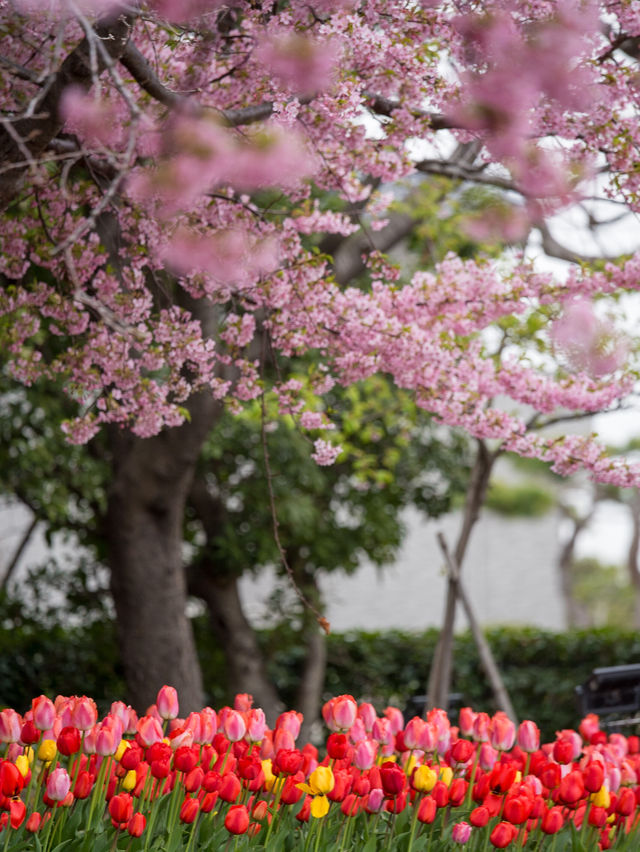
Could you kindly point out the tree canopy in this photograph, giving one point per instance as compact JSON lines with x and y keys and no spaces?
{"x":139,"y":142}
{"x":195,"y":195}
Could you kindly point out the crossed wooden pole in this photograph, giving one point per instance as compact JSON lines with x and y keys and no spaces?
{"x":440,"y":675}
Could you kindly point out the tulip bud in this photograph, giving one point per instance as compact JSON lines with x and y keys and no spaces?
{"x":461,"y":832}
{"x":58,"y":784}
{"x":167,"y":702}
{"x":237,"y":819}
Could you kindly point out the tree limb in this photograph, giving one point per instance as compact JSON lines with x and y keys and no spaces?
{"x":15,"y":559}
{"x":35,"y":132}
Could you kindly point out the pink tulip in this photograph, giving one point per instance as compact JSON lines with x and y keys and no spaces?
{"x":396,"y":719}
{"x":167,"y":702}
{"x":149,"y":731}
{"x":44,"y":712}
{"x":10,"y":726}
{"x":467,"y":718}
{"x":413,"y":731}
{"x":340,"y":713}
{"x":290,"y":721}
{"x":233,"y":726}
{"x":256,"y":725}
{"x":428,"y":738}
{"x":84,"y":713}
{"x":243,"y":702}
{"x":487,"y":757}
{"x":58,"y":784}
{"x":528,"y":736}
{"x":381,"y":731}
{"x":502,"y":732}
{"x":367,"y":713}
{"x":208,"y":725}
{"x":481,"y":725}
{"x":461,"y":832}
{"x":364,"y":754}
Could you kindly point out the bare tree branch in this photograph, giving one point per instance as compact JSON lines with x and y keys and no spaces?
{"x":15,"y":559}
{"x":36,"y":131}
{"x":446,"y":168}
{"x":553,"y":248}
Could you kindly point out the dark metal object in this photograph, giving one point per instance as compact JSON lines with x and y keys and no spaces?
{"x":611,"y":691}
{"x":417,"y":705}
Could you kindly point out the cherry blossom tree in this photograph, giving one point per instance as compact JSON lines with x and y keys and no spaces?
{"x":192,"y":189}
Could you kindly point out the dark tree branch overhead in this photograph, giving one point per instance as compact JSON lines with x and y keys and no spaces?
{"x":23,"y":140}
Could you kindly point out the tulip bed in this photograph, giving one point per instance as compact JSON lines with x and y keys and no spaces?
{"x":226,"y":781}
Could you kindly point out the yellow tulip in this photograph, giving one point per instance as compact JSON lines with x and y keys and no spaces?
{"x":129,"y":780}
{"x":321,"y":780}
{"x":47,"y":750}
{"x":124,"y":745}
{"x":601,"y":799}
{"x":424,"y":779}
{"x":446,"y":774}
{"x":319,"y":806}
{"x":22,"y":762}
{"x":269,"y":778}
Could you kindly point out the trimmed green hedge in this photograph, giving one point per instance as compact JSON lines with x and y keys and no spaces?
{"x":540,"y":668}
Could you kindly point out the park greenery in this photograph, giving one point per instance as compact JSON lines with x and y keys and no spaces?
{"x":266,"y":281}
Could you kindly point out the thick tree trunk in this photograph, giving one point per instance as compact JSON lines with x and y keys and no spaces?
{"x":246,"y":670}
{"x":144,"y":528}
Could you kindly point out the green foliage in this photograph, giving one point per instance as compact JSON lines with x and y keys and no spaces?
{"x":527,"y":499}
{"x":540,"y":668}
{"x":328,"y":517}
{"x":50,"y":658}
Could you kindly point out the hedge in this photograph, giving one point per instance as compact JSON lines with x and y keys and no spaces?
{"x":540,"y":668}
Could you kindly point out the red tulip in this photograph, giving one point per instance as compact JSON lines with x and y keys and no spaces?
{"x":17,"y":812}
{"x":393,"y":778}
{"x":461,"y":751}
{"x":29,"y":734}
{"x":571,"y":788}
{"x":457,"y":791}
{"x":626,"y":802}
{"x":68,"y":741}
{"x":440,"y":794}
{"x":593,"y":776}
{"x":563,"y":751}
{"x":189,"y":810}
{"x":503,"y":834}
{"x":237,"y":819}
{"x":517,"y":809}
{"x":230,"y":787}
{"x":337,"y":746}
{"x":11,"y":780}
{"x":479,"y":817}
{"x":552,"y":821}
{"x":192,"y":781}
{"x":185,"y":758}
{"x":427,"y":810}
{"x":121,"y":808}
{"x":137,"y":824}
